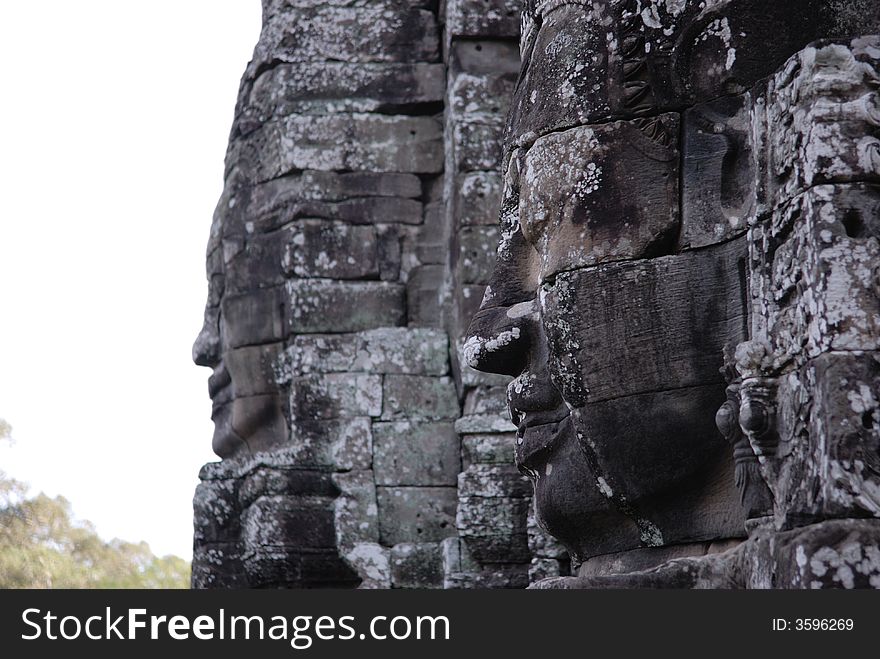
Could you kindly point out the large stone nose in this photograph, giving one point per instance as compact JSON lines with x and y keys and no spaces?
{"x":206,"y":347}
{"x":499,"y":339}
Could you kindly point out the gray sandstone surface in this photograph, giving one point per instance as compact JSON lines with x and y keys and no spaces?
{"x":571,"y":293}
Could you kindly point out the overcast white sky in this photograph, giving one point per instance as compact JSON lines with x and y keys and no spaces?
{"x":115,"y":116}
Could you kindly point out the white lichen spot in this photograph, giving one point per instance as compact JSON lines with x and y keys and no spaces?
{"x":868,"y":150}
{"x":649,"y":533}
{"x":522,"y":310}
{"x":476,"y":347}
{"x":566,"y":92}
{"x":837,"y":564}
{"x":863,"y":400}
{"x":675,"y":7}
{"x":371,"y":563}
{"x":651,"y":17}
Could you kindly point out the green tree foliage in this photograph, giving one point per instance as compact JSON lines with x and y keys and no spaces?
{"x":42,"y":545}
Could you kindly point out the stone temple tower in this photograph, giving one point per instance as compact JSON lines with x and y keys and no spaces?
{"x":575,"y":293}
{"x":353,"y":241}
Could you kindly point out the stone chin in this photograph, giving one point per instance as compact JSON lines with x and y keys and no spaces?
{"x":645,"y":445}
{"x":569,"y":503}
{"x":628,"y":474}
{"x":248,"y":424}
{"x":225,"y":442}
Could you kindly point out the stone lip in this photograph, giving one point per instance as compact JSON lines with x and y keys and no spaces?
{"x":242,"y":465}
{"x":840,"y":553}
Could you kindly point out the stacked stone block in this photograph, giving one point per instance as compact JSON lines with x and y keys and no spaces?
{"x":377,"y":409}
{"x":813,"y":253}
{"x":494,"y":500}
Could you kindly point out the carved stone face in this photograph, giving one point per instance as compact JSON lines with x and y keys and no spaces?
{"x":242,"y":332}
{"x":616,"y":382}
{"x":621,"y":273}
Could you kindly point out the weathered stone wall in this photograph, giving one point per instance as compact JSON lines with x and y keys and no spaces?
{"x":344,"y":266}
{"x":811,"y":359}
{"x":687,"y":194}
{"x":499,"y":543}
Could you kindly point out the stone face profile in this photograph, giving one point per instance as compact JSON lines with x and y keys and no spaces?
{"x":677,"y":180}
{"x":570,"y":293}
{"x":351,"y":244}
